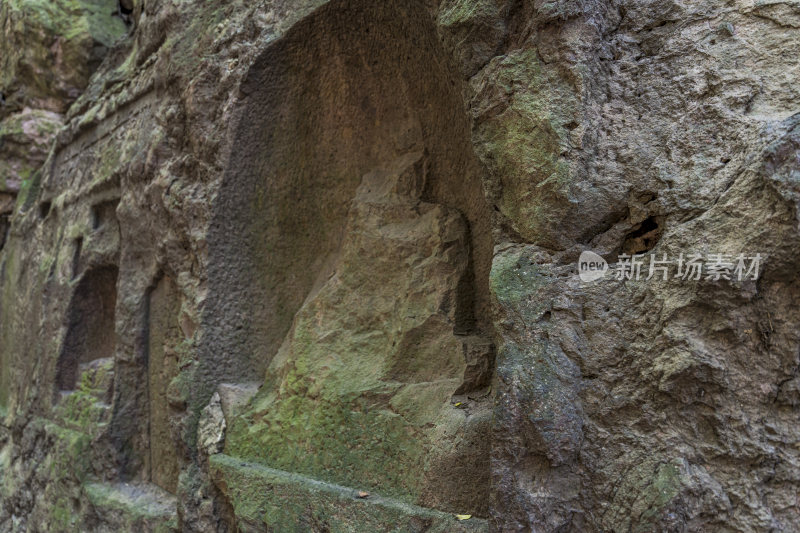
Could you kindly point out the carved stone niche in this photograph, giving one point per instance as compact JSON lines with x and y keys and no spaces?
{"x":91,"y":334}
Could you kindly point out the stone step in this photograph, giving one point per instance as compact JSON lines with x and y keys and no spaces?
{"x":129,"y":507}
{"x":266,"y":499}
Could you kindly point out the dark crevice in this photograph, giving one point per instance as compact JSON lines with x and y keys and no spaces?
{"x":644,"y":237}
{"x":465,"y":323}
{"x":44,"y":209}
{"x":76,"y":257}
{"x":5,"y":226}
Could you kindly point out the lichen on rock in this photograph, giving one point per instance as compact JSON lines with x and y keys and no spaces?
{"x":311,"y":265}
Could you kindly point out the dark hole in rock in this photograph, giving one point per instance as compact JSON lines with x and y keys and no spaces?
{"x":91,"y":330}
{"x":4,"y":228}
{"x":44,"y":209}
{"x":644,"y":238}
{"x":126,"y":7}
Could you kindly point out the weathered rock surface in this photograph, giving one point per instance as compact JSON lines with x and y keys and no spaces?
{"x":310,"y":265}
{"x":360,"y":391}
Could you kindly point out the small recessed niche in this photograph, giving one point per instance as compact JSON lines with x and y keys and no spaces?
{"x":44,"y":209}
{"x":91,"y":332}
{"x":103,"y":213}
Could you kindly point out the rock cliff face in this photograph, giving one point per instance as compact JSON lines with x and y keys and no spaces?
{"x":310,"y":265}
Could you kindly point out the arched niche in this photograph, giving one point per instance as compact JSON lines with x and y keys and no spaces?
{"x":347,"y":90}
{"x":91,"y":331}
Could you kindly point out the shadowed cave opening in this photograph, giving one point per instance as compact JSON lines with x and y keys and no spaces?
{"x":91,"y":333}
{"x":349,"y":90}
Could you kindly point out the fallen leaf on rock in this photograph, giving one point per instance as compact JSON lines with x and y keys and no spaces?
{"x":463,"y":516}
{"x":363,"y":494}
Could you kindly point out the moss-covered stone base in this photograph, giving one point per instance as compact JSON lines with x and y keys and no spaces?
{"x":132,"y":508}
{"x":280,"y":501}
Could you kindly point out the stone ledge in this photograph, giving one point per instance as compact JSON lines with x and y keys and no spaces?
{"x":142,"y":508}
{"x":262,"y":498}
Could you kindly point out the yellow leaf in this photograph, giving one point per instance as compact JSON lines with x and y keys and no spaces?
{"x":457,"y":404}
{"x":463,"y":516}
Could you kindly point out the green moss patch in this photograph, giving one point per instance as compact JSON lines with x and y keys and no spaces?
{"x":523,"y":144}
{"x":281,"y":501}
